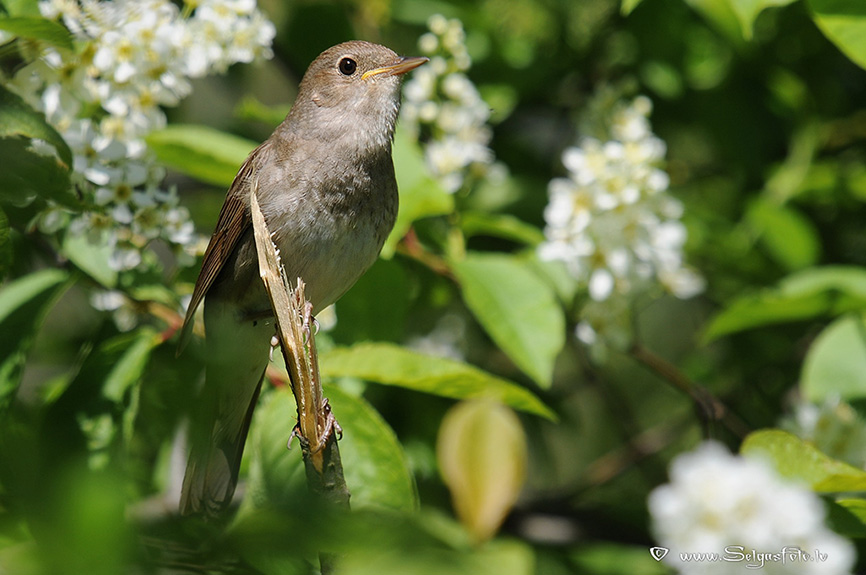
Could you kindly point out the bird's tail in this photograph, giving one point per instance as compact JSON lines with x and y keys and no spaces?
{"x":237,"y":355}
{"x":212,"y":469}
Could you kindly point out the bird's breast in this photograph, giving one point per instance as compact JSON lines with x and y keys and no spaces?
{"x":330,"y":228}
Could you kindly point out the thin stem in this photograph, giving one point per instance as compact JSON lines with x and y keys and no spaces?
{"x":411,"y":247}
{"x":709,"y":406}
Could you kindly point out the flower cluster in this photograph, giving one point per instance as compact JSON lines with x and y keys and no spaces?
{"x":729,"y":505}
{"x":132,"y":57}
{"x":444,"y":109}
{"x":611,"y":221}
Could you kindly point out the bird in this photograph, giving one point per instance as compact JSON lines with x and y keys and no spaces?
{"x":326,"y":186}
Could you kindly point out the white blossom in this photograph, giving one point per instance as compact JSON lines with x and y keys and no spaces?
{"x":716,"y":500}
{"x":443,"y":108}
{"x":612,"y":222}
{"x":114,"y":301}
{"x":134,"y":57}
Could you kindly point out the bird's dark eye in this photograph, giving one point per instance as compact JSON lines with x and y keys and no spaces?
{"x":347,"y":66}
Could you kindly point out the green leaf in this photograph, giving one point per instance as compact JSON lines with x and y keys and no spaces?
{"x":91,"y":258}
{"x":844,"y":23}
{"x":375,"y":467}
{"x":790,"y":238}
{"x":814,"y":292}
{"x":747,"y":11}
{"x":836,"y":363}
{"x":122,"y":385}
{"x":38,"y":29}
{"x":15,"y":294}
{"x":796,"y":459}
{"x":516,"y":308}
{"x":390,"y":364}
{"x":251,"y":108}
{"x":722,"y":16}
{"x":19,"y":119}
{"x":29,"y":175}
{"x":5,"y":246}
{"x":788,"y":177}
{"x":846,"y":283}
{"x":153,"y":292}
{"x":847,"y":517}
{"x":112,"y":372}
{"x":204,"y":153}
{"x":500,"y":225}
{"x":276,"y":474}
{"x":626,"y":6}
{"x":128,"y":368}
{"x":421,"y":196}
{"x":560,"y":279}
{"x":22,"y":7}
{"x":22,"y":306}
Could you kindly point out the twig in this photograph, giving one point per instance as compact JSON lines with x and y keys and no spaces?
{"x":647,"y":443}
{"x":709,"y":406}
{"x":316,"y":424}
{"x":411,"y":246}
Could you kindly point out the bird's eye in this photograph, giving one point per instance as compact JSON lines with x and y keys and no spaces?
{"x":347,"y":66}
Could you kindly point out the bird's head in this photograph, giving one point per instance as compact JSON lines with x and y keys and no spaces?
{"x":352,"y":90}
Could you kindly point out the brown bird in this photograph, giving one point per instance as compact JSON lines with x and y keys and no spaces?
{"x":327,"y":190}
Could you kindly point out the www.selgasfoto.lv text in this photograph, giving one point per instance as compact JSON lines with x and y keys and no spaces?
{"x":753,"y":558}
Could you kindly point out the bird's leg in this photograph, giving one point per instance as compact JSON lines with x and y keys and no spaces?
{"x":334,"y":424}
{"x":331,"y":426}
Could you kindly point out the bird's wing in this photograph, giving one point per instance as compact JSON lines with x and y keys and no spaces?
{"x":233,"y":220}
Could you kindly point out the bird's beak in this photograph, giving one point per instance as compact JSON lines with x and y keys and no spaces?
{"x":401,"y":67}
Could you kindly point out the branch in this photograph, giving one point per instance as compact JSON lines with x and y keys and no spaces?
{"x":708,"y":405}
{"x":316,"y":424}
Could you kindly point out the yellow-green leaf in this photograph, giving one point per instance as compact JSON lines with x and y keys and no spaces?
{"x":204,"y":153}
{"x":844,"y":23}
{"x":482,"y":455}
{"x":835,"y":366}
{"x":38,"y":29}
{"x":797,"y":459}
{"x":747,"y":11}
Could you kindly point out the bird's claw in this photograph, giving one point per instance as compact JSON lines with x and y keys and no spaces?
{"x":331,"y":426}
{"x":331,"y":423}
{"x":275,"y":342}
{"x":296,"y":432}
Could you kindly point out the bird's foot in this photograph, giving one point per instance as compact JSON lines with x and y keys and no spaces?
{"x":331,"y":426}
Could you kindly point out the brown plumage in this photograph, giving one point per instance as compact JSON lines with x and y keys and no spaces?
{"x":327,"y":190}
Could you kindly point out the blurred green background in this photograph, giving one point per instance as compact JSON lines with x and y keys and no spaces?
{"x":764,"y":118}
